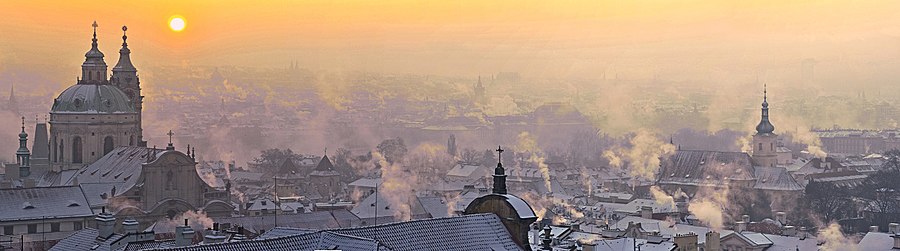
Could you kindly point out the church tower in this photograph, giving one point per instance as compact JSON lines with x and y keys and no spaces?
{"x":23,"y":156}
{"x":124,"y":76}
{"x":93,"y":70}
{"x":764,"y":140}
{"x":90,"y":118}
{"x":479,"y":92}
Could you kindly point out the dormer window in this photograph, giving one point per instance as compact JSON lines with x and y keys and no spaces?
{"x":27,"y":205}
{"x":73,"y":203}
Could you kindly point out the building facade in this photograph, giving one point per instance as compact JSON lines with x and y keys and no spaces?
{"x":92,"y":117}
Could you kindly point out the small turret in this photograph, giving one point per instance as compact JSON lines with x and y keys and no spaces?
{"x":23,"y":156}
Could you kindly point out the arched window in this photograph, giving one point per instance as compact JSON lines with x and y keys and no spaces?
{"x":772,"y":146}
{"x":131,"y":140}
{"x":107,"y":144}
{"x":55,"y":149}
{"x":76,"y":150}
{"x":61,"y":156}
{"x":760,"y":146}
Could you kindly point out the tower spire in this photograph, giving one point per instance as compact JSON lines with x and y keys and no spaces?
{"x":764,"y":125}
{"x":499,"y":174}
{"x":94,"y":40}
{"x":23,"y":156}
{"x":93,"y":70}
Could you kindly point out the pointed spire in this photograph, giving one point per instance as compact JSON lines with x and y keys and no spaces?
{"x":94,"y":40}
{"x":93,"y":70}
{"x":764,"y":125}
{"x":124,"y":64}
{"x":499,"y":174}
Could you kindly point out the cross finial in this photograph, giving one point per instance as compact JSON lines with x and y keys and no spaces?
{"x":170,"y":136}
{"x":124,"y":36}
{"x":499,"y":153}
{"x":765,"y":94}
{"x":23,"y":123}
{"x":326,"y":151}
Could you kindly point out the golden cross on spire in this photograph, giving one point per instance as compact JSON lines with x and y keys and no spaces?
{"x":170,"y":136}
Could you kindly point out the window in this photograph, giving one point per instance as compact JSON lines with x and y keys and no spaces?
{"x":54,"y":227}
{"x":77,"y":226}
{"x":8,"y":230}
{"x":76,"y":150}
{"x":107,"y":145}
{"x":59,"y":157}
{"x":772,"y":146}
{"x":760,"y":146}
{"x":32,"y":228}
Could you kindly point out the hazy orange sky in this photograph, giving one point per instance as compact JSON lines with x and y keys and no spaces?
{"x":548,"y":38}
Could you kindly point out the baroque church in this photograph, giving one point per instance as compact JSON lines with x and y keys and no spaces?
{"x":95,"y":142}
{"x":760,"y":170}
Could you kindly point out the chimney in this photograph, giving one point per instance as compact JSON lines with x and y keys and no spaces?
{"x":647,"y":212}
{"x":184,"y":235}
{"x":803,"y":233}
{"x":686,"y":241}
{"x":213,"y":235}
{"x":745,"y":218}
{"x":781,"y":217}
{"x":130,"y":226}
{"x":106,"y":224}
{"x":682,"y":208}
{"x":789,"y":231}
{"x":873,"y":229}
{"x":712,"y":241}
{"x":575,"y":227}
{"x":588,"y":246}
{"x":894,"y":228}
{"x":740,"y":226}
{"x":896,"y":240}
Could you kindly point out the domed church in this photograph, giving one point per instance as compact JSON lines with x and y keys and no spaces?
{"x":97,"y":114}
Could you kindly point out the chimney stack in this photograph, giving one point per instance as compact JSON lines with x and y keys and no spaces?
{"x":184,"y":235}
{"x":588,"y":246}
{"x":873,"y":229}
{"x":647,"y":212}
{"x":803,"y":233}
{"x":106,"y":224}
{"x":745,"y":218}
{"x":896,"y":240}
{"x":740,"y":226}
{"x":894,"y":228}
{"x":213,"y":235}
{"x":686,"y":241}
{"x":781,"y":217}
{"x":789,"y":231}
{"x":712,"y":241}
{"x":130,"y":226}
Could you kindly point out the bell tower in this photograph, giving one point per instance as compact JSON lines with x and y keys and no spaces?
{"x":764,"y":153}
{"x":124,"y":76}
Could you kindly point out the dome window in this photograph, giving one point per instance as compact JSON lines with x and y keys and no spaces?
{"x":78,"y":102}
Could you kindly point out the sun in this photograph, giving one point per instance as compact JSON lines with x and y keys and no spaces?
{"x":176,"y":23}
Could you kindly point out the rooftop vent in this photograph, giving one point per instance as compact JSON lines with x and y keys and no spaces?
{"x":27,"y":205}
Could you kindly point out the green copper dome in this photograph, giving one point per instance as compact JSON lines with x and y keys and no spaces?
{"x":91,"y":98}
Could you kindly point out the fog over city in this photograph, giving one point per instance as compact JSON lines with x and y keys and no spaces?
{"x":726,"y":125}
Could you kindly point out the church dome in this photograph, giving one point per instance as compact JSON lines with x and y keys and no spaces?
{"x":88,"y":98}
